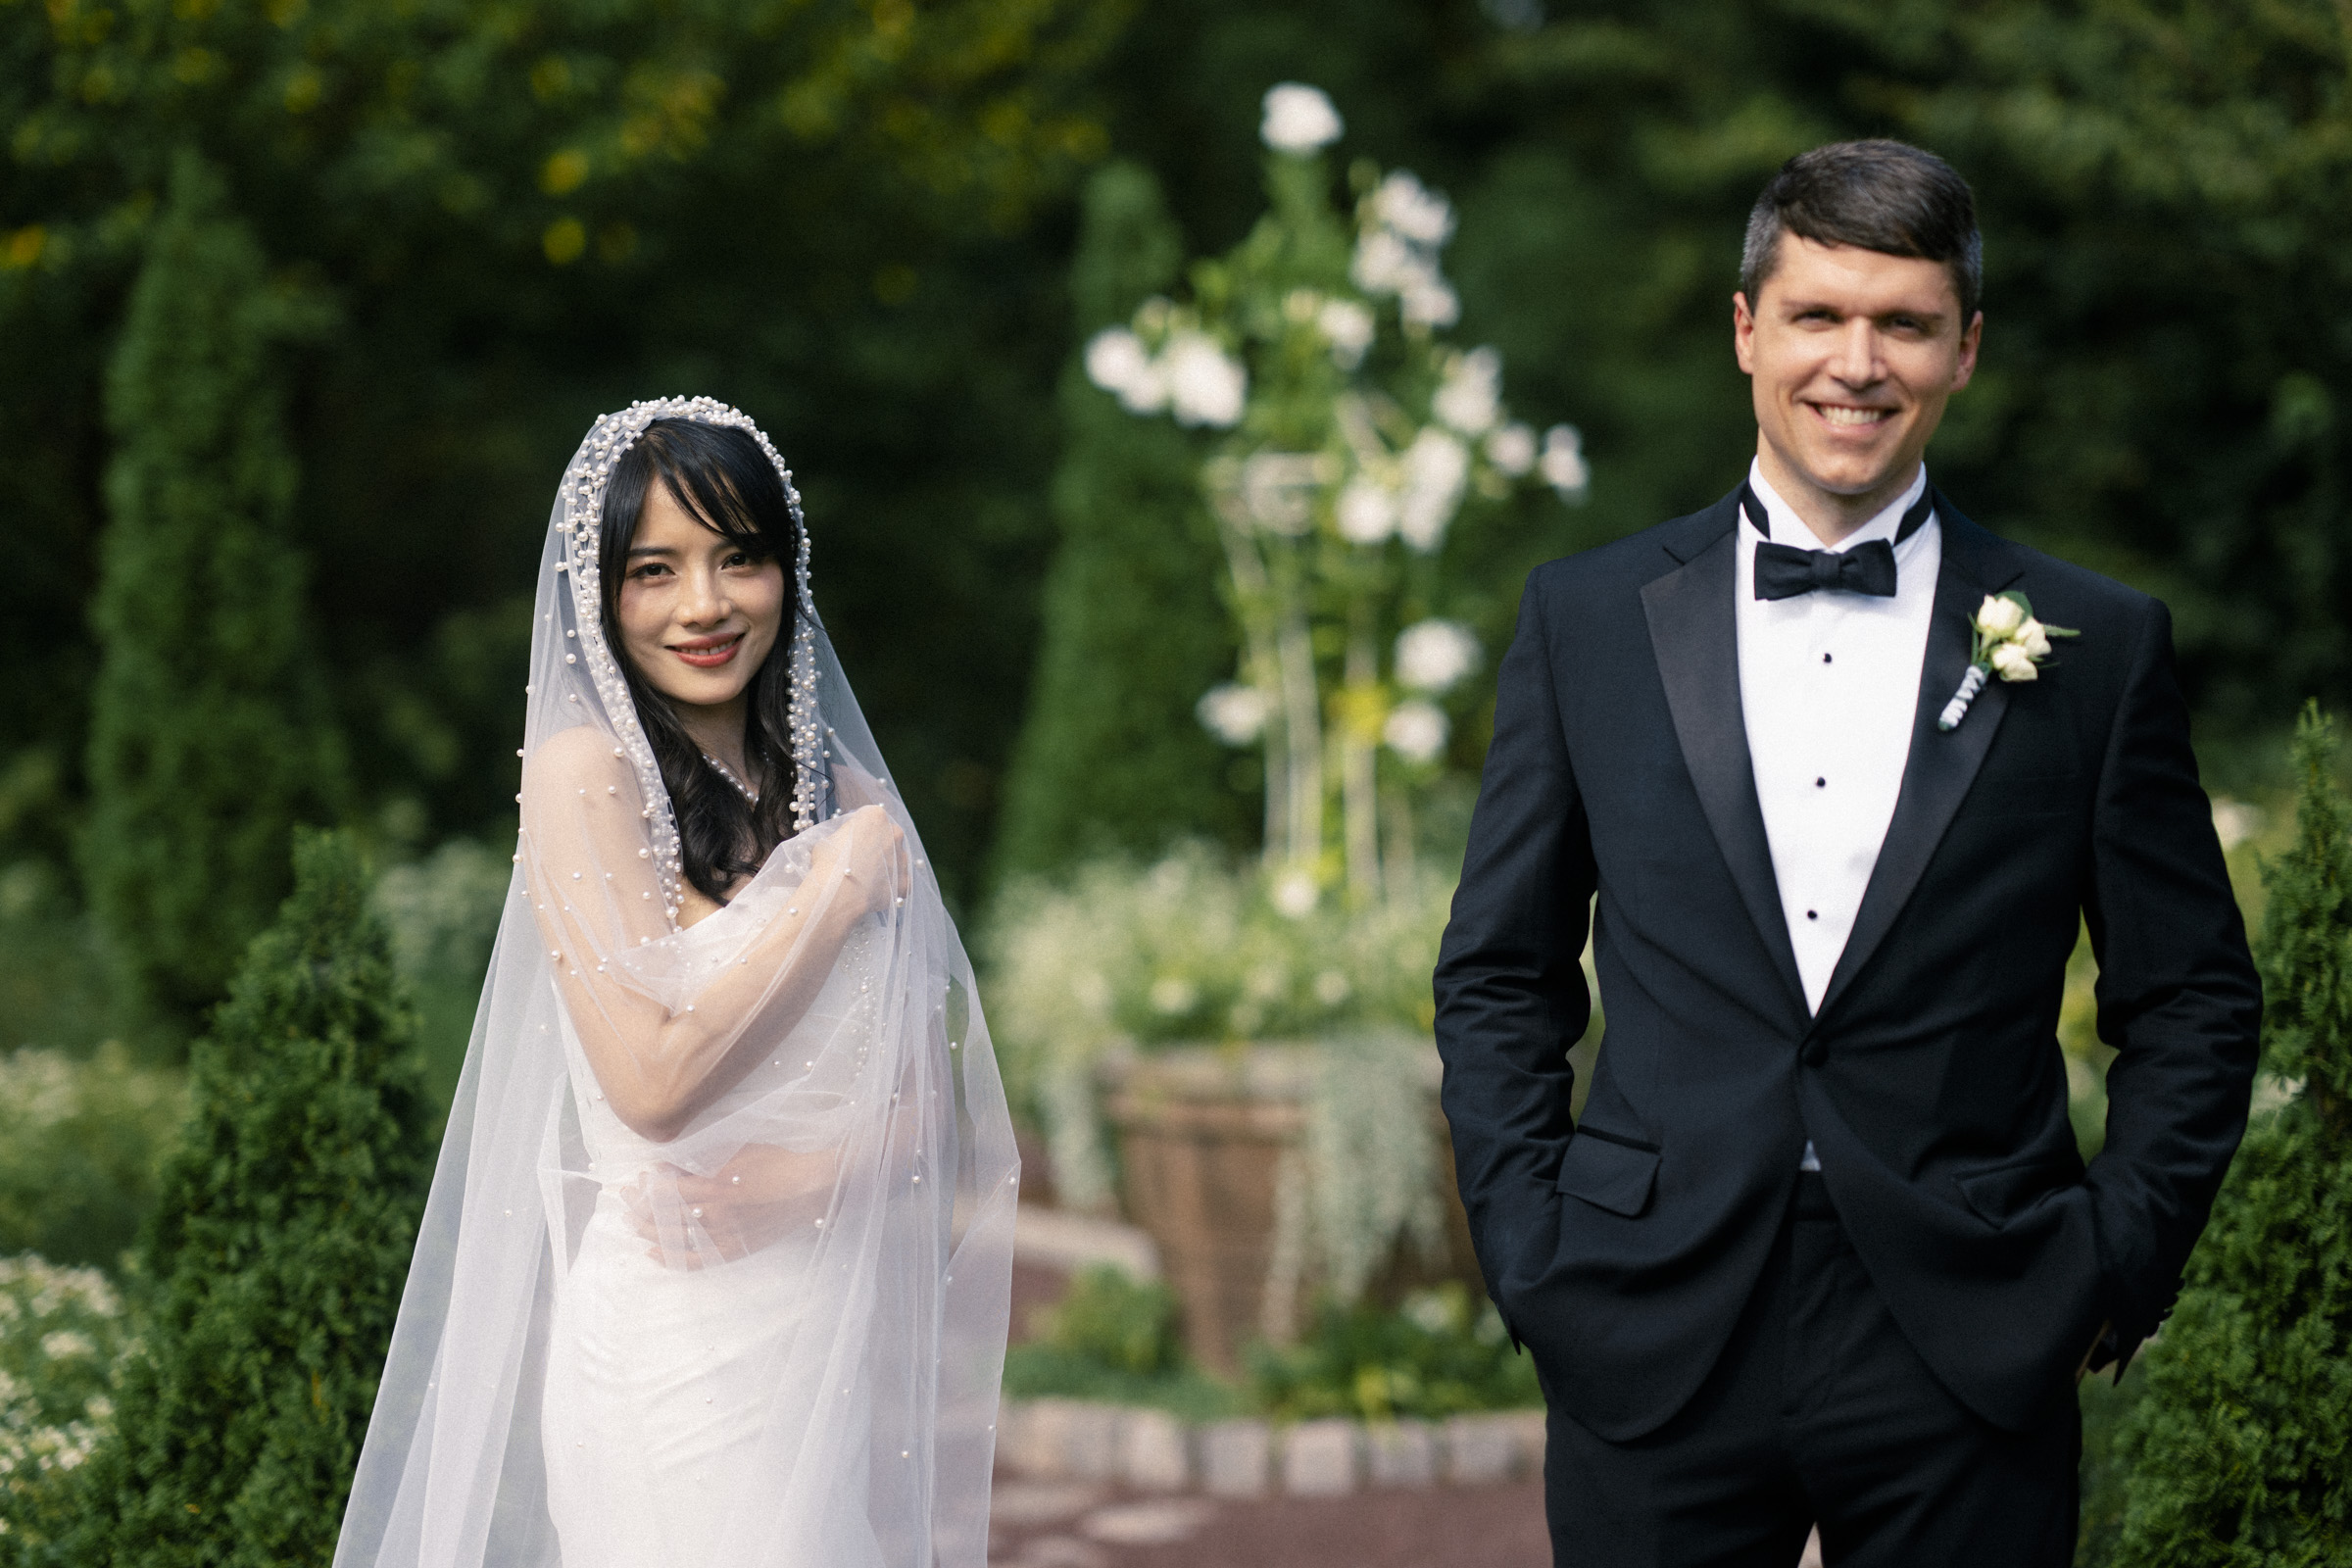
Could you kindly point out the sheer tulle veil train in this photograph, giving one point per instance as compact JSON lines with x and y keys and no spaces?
{"x":588,"y":1370}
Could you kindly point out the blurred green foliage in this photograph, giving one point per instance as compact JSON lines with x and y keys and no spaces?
{"x":1441,"y":1352}
{"x":81,"y":1144}
{"x":209,"y":734}
{"x":1112,"y":1337}
{"x":63,"y":1337}
{"x":2239,"y":1453}
{"x":271,"y":1269}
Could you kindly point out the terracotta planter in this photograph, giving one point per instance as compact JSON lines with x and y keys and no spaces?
{"x":1203,"y":1133}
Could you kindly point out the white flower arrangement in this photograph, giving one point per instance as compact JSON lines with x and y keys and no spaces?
{"x":2009,"y":642}
{"x":1433,"y":655}
{"x":1358,"y":439}
{"x":62,"y":1335}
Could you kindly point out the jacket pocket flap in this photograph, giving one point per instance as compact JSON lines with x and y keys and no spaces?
{"x":2000,"y":1194}
{"x":1608,"y":1175}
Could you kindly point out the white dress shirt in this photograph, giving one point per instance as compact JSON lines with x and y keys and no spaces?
{"x":1828,"y":683}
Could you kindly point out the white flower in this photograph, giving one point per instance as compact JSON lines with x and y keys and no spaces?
{"x":1366,"y":513}
{"x":1431,"y":302}
{"x":1386,"y":264}
{"x":1416,"y":730}
{"x":1431,"y":656}
{"x":1172,"y":995}
{"x":1436,"y":467}
{"x":1331,"y":988}
{"x":1118,"y":361}
{"x":1295,"y":893}
{"x":2235,"y":821}
{"x":1997,"y":617}
{"x":1205,"y":384}
{"x":1278,"y":489}
{"x":1512,"y":448}
{"x":1349,"y":326}
{"x":1299,"y":118}
{"x":2034,"y":638}
{"x":1470,"y":398}
{"x":1232,"y":712}
{"x":1414,"y":211}
{"x":63,"y":1343}
{"x":2011,"y":662}
{"x":1563,"y":461}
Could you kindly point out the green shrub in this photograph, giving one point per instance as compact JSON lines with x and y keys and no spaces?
{"x":1441,"y":1354}
{"x":274,"y":1263}
{"x":80,"y":1147}
{"x":61,"y":1336}
{"x":1113,"y":1339}
{"x":2239,"y":1453}
{"x":208,"y":731}
{"x":1109,"y":758}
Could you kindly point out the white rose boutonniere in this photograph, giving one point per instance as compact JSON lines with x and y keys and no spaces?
{"x":2009,"y":643}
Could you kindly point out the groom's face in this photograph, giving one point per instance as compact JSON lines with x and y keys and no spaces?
{"x":1850,"y":354}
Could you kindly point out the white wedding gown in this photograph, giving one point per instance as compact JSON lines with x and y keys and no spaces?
{"x":667,"y":1387}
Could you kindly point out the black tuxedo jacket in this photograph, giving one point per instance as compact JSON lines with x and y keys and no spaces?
{"x":1620,"y":1250}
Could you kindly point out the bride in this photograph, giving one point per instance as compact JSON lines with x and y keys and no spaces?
{"x":717,"y":1264}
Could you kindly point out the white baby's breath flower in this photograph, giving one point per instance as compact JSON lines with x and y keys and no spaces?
{"x":1299,"y":118}
{"x":2011,"y":662}
{"x":1512,"y":448}
{"x":1416,"y":730}
{"x":1563,"y":461}
{"x":1431,"y":302}
{"x":1436,"y":467}
{"x":1470,"y":398}
{"x":1331,"y":988}
{"x":65,"y":1343}
{"x":2032,"y":638}
{"x":1347,"y":326}
{"x":1205,"y":384}
{"x":1232,"y":712}
{"x":1295,"y":893}
{"x":1998,"y":616}
{"x":1118,"y":361}
{"x":1366,"y":513}
{"x":1383,"y":264}
{"x":1431,"y":656}
{"x":1414,"y":211}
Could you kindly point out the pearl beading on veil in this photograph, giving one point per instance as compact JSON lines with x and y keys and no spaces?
{"x":583,"y":494}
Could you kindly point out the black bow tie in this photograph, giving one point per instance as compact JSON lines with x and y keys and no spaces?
{"x":1783,"y":571}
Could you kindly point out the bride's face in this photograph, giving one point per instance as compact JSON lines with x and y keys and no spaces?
{"x":698,"y":613}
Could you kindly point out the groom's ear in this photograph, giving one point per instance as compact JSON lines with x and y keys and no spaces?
{"x":1744,"y":334}
{"x":1971,"y":338}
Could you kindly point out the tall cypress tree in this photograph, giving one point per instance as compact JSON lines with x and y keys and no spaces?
{"x":208,"y":735}
{"x":2239,"y":1455}
{"x":1110,"y":756}
{"x":274,"y":1263}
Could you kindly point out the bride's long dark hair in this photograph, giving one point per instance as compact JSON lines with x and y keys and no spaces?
{"x":725,"y":482}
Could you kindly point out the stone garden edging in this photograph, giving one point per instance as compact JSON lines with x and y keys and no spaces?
{"x":1152,"y":1450}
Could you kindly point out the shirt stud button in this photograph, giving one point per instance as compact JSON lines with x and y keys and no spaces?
{"x":1825,"y":659}
{"x":1812,"y":914}
{"x":1821,"y":783}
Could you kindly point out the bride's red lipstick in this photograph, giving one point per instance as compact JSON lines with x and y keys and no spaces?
{"x":707,"y":652}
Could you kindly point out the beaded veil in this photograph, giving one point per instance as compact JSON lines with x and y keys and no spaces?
{"x":717,"y":1264}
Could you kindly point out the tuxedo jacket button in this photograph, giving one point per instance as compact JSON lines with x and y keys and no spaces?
{"x":1816,"y":1052}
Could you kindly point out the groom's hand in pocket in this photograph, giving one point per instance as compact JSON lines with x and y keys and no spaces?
{"x":757,"y":1199}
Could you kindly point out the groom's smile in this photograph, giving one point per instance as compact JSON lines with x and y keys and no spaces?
{"x":1852,"y":355}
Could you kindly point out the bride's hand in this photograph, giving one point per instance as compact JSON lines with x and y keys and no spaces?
{"x":756,"y":1200}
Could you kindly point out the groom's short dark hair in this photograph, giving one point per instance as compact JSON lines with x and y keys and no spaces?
{"x":1884,"y":196}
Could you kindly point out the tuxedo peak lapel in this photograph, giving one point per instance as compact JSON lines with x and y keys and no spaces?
{"x":1695,"y":639}
{"x":1942,"y":764}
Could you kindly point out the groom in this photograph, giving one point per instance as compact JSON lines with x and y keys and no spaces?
{"x":1820,"y":1249}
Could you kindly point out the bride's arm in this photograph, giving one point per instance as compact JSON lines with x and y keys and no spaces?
{"x":597,"y":893}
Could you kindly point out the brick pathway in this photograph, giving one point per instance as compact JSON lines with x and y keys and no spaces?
{"x":1077,"y":1525}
